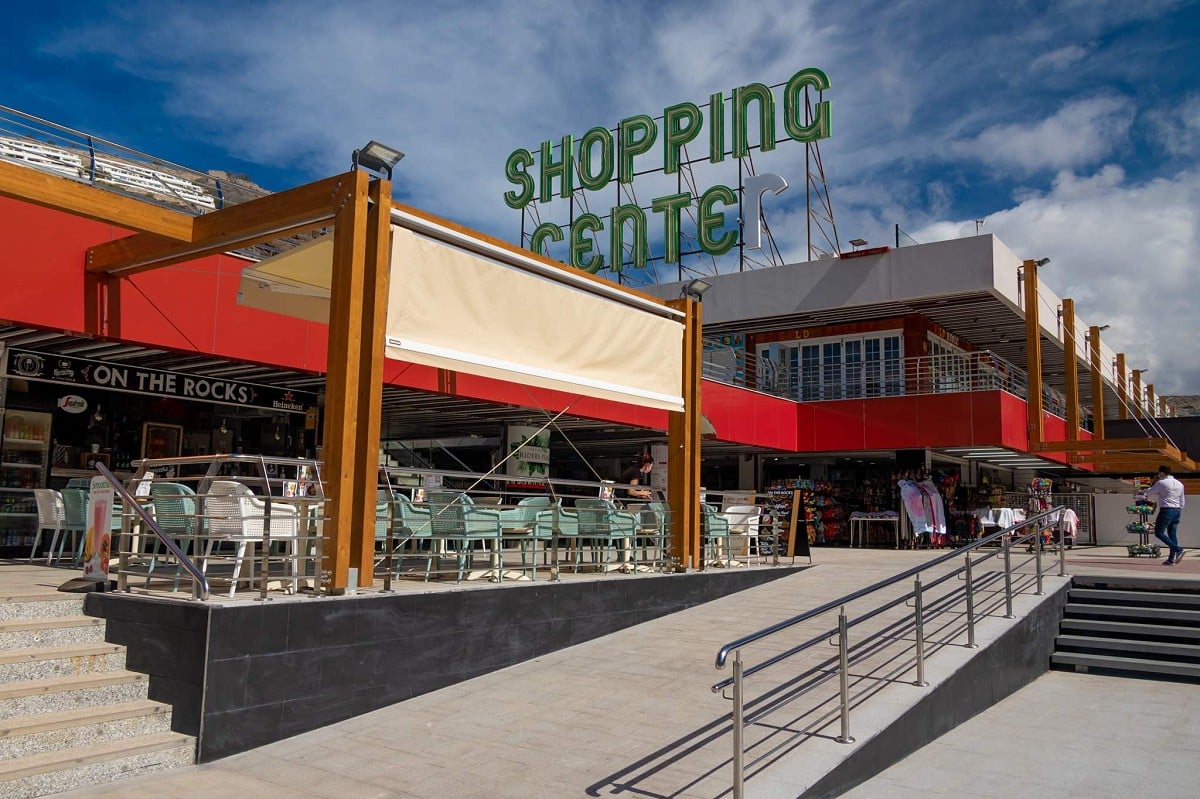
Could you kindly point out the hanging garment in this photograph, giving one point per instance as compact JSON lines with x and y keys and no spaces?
{"x":937,"y":512}
{"x":914,"y":504}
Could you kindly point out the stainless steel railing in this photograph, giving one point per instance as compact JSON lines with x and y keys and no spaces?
{"x":278,"y":502}
{"x":130,"y":502}
{"x":1035,"y":528}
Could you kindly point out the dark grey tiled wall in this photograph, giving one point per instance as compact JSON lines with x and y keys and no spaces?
{"x":283,"y":668}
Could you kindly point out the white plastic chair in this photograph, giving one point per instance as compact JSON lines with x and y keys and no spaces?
{"x":233,"y":513}
{"x":51,"y":516}
{"x":743,"y":528}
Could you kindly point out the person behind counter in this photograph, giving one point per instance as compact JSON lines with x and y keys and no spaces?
{"x":638,"y":475}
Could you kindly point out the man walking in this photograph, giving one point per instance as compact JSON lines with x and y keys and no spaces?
{"x":1168,"y":492}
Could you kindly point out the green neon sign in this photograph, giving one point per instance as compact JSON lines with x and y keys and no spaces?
{"x":599,"y":157}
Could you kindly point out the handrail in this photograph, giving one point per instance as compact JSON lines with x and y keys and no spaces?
{"x":766,"y":632}
{"x":874,"y":642}
{"x":132,"y":503}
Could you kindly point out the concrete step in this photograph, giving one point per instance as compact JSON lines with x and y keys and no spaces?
{"x":60,"y":661}
{"x":1173,"y":615}
{"x":48,"y":695}
{"x":1099,"y":596}
{"x":40,"y":606}
{"x":1130,"y":628}
{"x":1085,"y":661}
{"x":45,"y":732}
{"x":53,"y":631}
{"x":1168,"y":649}
{"x":103,"y":761}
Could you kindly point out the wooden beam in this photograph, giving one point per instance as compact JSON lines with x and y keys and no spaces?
{"x":345,"y":372}
{"x":1122,"y":388}
{"x":1139,"y":410}
{"x":60,"y":194}
{"x":1071,"y":369}
{"x":275,"y":216}
{"x":1033,"y":363}
{"x":1103,"y":445}
{"x":683,"y":447}
{"x":1150,"y":403}
{"x":1097,"y":382}
{"x":376,"y":279}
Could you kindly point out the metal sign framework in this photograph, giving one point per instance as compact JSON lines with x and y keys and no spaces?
{"x":818,"y":212}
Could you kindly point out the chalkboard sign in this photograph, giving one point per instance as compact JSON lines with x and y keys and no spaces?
{"x":797,"y":528}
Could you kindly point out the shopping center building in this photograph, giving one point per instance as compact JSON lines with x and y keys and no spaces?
{"x":850,"y":372}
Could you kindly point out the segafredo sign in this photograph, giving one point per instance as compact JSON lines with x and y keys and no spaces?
{"x":599,"y":157}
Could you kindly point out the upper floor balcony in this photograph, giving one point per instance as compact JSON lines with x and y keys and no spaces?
{"x":852,"y":377}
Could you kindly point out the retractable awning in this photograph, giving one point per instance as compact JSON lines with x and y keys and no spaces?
{"x":295,"y":283}
{"x":464,"y":303}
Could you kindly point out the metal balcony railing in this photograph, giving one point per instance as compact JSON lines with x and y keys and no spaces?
{"x":898,"y":377}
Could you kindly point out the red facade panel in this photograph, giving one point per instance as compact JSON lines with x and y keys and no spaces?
{"x":749,"y":417}
{"x":193,"y":307}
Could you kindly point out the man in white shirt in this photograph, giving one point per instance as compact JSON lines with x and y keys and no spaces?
{"x":1168,"y":492}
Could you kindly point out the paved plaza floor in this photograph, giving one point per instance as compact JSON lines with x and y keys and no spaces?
{"x":631,"y":714}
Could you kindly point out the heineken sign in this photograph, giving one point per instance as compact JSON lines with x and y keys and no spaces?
{"x":66,"y":370}
{"x":599,"y":157}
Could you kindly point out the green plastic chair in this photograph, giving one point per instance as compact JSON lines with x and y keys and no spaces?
{"x":716,"y":535}
{"x":603,"y":525}
{"x":458,"y":525}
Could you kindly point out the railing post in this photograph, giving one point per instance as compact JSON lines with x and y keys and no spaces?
{"x":1062,"y":546}
{"x":265,"y":564}
{"x":1008,"y":605}
{"x":387,"y":574}
{"x":844,"y":669}
{"x":1037,"y":556}
{"x":738,"y":726}
{"x":920,"y":632}
{"x":970,"y":607}
{"x":554,"y":543}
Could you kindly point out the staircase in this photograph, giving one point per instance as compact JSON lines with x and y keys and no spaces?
{"x":70,"y":714}
{"x":1132,"y":626}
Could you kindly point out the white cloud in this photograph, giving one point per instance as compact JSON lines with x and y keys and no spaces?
{"x":1125,"y":252}
{"x":1177,"y":129}
{"x":1058,"y":60}
{"x":1079,"y":134}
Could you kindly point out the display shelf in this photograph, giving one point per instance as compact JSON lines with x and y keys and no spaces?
{"x":24,"y":443}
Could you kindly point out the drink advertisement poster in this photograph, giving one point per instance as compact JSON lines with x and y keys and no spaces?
{"x":97,"y":541}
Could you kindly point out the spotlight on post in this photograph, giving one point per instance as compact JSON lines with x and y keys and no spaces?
{"x":378,"y":158}
{"x":1042,"y":261}
{"x":696,"y":288}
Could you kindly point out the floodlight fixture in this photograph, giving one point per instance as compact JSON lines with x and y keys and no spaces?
{"x":1104,"y":327}
{"x":377,"y":157}
{"x":696,"y":288}
{"x":1041,"y":261}
{"x":858,"y":242}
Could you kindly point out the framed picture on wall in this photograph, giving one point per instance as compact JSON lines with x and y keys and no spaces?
{"x":161,"y":440}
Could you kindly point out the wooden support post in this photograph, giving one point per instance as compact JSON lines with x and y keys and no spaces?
{"x":345,"y":374}
{"x":1033,"y":350}
{"x":683,"y":446}
{"x":1151,"y":404}
{"x":1135,"y":395}
{"x":376,"y":276}
{"x":1122,"y":388}
{"x":1071,"y":369}
{"x":1097,"y":382}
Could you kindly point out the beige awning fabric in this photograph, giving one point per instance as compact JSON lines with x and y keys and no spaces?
{"x":452,"y":309}
{"x":295,"y":283}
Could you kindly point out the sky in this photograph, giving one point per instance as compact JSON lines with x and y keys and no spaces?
{"x":1070,"y":130}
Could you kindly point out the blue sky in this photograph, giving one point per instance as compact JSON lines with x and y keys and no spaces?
{"x":1070,"y":128}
